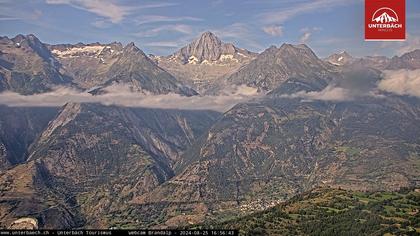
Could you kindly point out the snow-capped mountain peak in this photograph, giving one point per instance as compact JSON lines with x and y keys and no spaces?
{"x":208,"y":48}
{"x":340,"y":59}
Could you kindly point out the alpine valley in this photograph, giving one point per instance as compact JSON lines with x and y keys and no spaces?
{"x":327,"y":143}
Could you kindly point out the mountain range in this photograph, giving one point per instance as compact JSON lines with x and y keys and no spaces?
{"x":206,"y":65}
{"x":29,"y":66}
{"x":409,"y":60}
{"x":318,"y":124}
{"x":204,"y":61}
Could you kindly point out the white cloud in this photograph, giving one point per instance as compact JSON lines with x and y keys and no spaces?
{"x":353,"y":83}
{"x":273,"y":30}
{"x":330,"y":93}
{"x":122,"y":96}
{"x":305,"y":37}
{"x":101,"y":24}
{"x":9,"y":11}
{"x":235,"y":30}
{"x":147,"y":19}
{"x":180,"y":28}
{"x":165,"y":44}
{"x":108,"y":9}
{"x":216,"y":3}
{"x":239,"y":32}
{"x":307,"y":33}
{"x":105,"y":8}
{"x":5,"y":18}
{"x":402,"y":82}
{"x":282,"y":15}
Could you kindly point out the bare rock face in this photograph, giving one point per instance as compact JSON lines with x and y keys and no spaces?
{"x":32,"y":42}
{"x":27,"y":66}
{"x":275,"y":65}
{"x":208,"y":47}
{"x":206,"y":60}
{"x":140,"y":73}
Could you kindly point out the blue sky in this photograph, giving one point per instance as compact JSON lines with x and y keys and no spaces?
{"x":162,"y":27}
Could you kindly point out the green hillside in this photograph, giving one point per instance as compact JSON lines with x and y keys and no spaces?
{"x":334,"y":212}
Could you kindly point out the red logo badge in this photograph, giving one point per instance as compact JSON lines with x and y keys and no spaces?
{"x":384,"y":20}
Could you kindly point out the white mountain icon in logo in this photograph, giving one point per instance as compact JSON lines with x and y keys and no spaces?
{"x":385,"y":17}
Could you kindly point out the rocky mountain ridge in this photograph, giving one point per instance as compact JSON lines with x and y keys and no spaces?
{"x":275,"y":65}
{"x":208,"y":48}
{"x":29,"y":66}
{"x":204,"y":61}
{"x":409,"y":60}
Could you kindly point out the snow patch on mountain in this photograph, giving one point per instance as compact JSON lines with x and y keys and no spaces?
{"x":92,"y":51}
